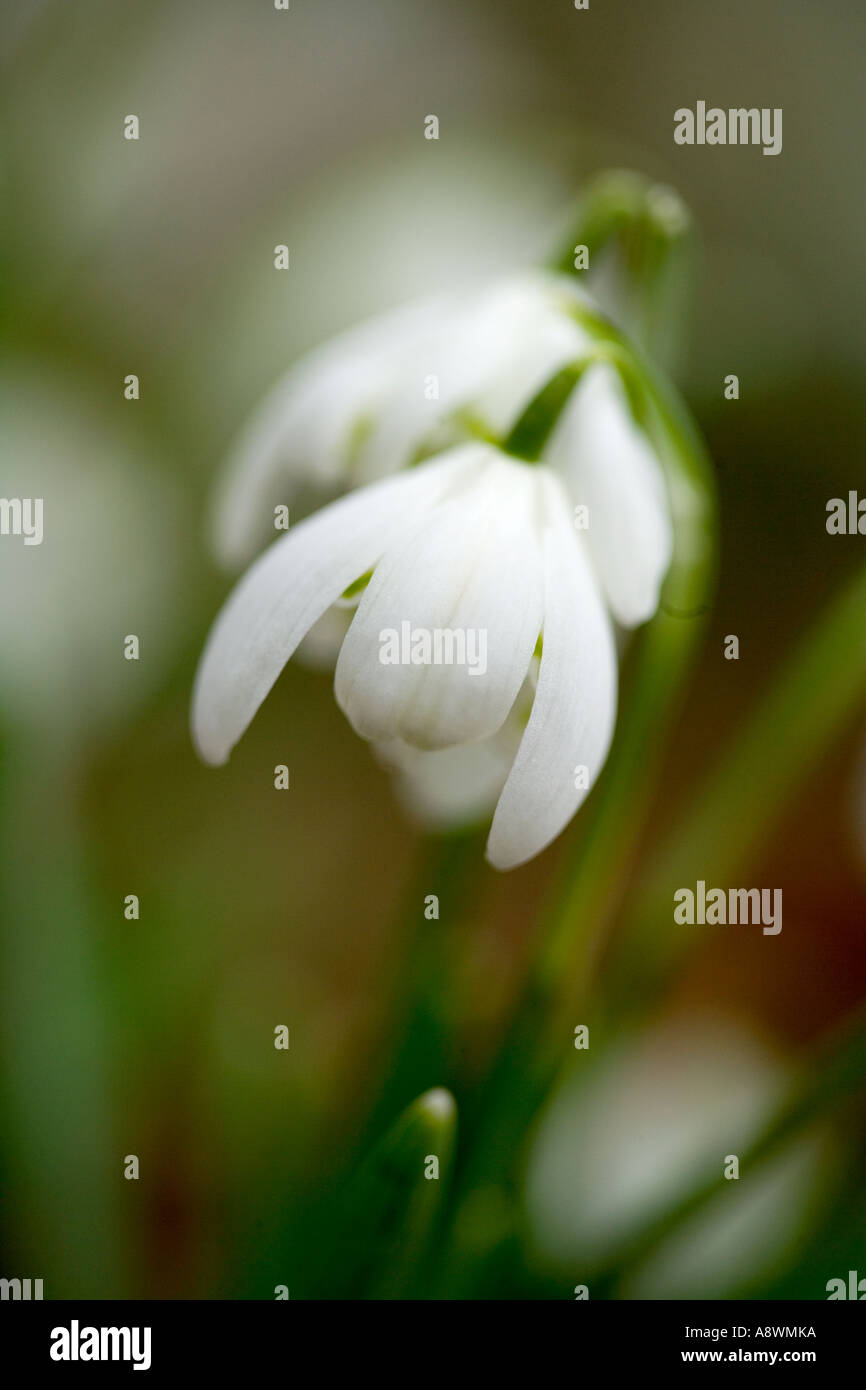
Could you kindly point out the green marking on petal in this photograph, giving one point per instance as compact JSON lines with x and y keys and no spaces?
{"x":357,"y":586}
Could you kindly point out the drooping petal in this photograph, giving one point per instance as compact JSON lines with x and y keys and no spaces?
{"x":288,"y":589}
{"x":573,"y":715}
{"x":305,"y":430}
{"x":611,"y":469}
{"x":470,"y":571}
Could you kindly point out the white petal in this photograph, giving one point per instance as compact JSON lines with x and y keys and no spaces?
{"x":456,"y":787}
{"x":471,"y":568}
{"x":573,"y":715}
{"x":489,"y":358}
{"x":304,"y":431}
{"x":523,"y":337}
{"x":611,"y":469}
{"x":287,"y":590}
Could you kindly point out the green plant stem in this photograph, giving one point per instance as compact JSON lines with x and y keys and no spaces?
{"x":640,"y":239}
{"x":420,"y":1017}
{"x":820,"y":689}
{"x":609,"y":830}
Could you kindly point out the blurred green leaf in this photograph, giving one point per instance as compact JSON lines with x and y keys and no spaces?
{"x":818,"y":691}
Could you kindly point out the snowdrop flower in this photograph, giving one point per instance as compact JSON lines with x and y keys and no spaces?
{"x":376,"y":397}
{"x":607,"y":463}
{"x":654,"y":1118}
{"x":472,"y":540}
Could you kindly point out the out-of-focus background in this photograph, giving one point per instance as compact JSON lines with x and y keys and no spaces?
{"x":154,"y":1036}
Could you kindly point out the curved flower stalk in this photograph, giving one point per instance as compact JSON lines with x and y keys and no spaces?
{"x":642,"y":239}
{"x":479,"y":540}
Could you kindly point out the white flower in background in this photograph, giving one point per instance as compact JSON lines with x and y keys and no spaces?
{"x":107,"y":512}
{"x":651,"y":1120}
{"x":473,"y":539}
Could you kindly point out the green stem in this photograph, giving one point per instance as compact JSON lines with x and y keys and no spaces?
{"x":609,"y":830}
{"x":421,"y":1015}
{"x":820,"y":689}
{"x":530,"y":434}
{"x":640,"y":240}
{"x":303,"y":1229}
